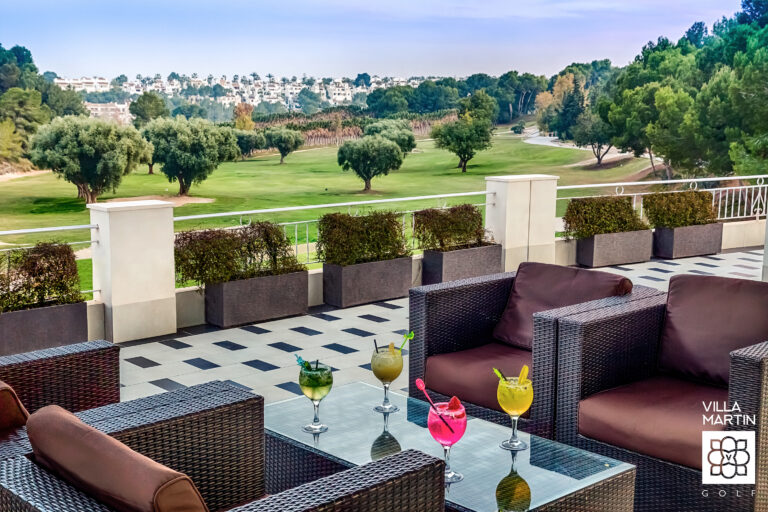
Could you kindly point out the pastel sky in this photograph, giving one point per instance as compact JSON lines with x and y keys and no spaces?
{"x":340,"y":37}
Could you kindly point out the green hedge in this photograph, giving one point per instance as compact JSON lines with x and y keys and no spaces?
{"x":344,"y":239}
{"x":43,"y":275}
{"x":220,"y":255}
{"x":458,"y":227}
{"x":591,"y":216}
{"x":678,"y":209}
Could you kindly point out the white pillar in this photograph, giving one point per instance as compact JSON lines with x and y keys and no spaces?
{"x":133,"y":268}
{"x":522,"y":217}
{"x":765,"y":254}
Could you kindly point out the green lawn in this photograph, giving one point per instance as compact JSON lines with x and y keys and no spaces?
{"x":308,"y":177}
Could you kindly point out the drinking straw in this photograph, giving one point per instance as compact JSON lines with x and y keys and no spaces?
{"x":499,"y":374}
{"x":317,"y":361}
{"x":375,"y":346}
{"x":420,"y":384}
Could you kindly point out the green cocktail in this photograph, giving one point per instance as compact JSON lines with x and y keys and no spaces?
{"x":386,"y":364}
{"x":315,"y":381}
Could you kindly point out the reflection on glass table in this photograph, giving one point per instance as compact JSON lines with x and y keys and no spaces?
{"x":550,"y":470}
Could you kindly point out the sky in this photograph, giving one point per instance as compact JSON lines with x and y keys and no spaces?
{"x":340,"y":37}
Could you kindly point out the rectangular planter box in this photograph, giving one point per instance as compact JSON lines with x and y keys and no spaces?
{"x":440,"y":266}
{"x":688,"y":241}
{"x":39,"y":328}
{"x":615,"y":248}
{"x":254,"y":300}
{"x":352,"y":285}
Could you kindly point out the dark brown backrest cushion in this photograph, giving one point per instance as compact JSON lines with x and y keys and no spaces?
{"x":12,"y":411}
{"x":107,"y":469}
{"x":541,"y":286}
{"x":708,"y":317}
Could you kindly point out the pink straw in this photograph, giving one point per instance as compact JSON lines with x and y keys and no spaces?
{"x":420,"y":384}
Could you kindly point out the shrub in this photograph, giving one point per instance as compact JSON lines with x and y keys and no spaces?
{"x":346,"y":240}
{"x":457,"y":227}
{"x":219,"y":255}
{"x":43,"y":275}
{"x":598,"y":215}
{"x":674,"y":210}
{"x":518,"y":128}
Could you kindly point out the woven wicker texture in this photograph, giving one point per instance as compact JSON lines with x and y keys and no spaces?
{"x":459,"y":315}
{"x":618,"y":345}
{"x":76,"y":377}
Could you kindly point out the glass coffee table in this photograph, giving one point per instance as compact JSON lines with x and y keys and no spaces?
{"x":548,"y":476}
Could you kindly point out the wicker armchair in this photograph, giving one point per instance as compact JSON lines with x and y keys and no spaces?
{"x":214,"y":433}
{"x":459,"y":315}
{"x":606,"y":348}
{"x":77,"y":377}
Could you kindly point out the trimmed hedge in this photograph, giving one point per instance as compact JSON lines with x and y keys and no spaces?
{"x":215,"y":256}
{"x":591,"y":216}
{"x":344,"y":239}
{"x":458,"y":227}
{"x":43,"y":275}
{"x":678,"y":209}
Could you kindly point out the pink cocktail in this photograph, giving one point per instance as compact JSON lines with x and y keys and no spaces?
{"x":447,"y":425}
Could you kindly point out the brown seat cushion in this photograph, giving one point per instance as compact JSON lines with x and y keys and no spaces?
{"x":707,"y":318}
{"x":660,"y":417}
{"x":12,"y":412}
{"x":468,"y":374}
{"x":539,"y":287}
{"x":107,"y":469}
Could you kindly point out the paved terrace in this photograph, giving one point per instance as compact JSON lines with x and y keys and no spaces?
{"x":261,"y":357}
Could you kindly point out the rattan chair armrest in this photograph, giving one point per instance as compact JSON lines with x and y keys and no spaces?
{"x":77,"y":377}
{"x":409,"y":481}
{"x":452,"y":316}
{"x":601,"y":349}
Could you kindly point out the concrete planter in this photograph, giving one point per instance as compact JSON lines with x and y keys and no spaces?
{"x":615,"y":248}
{"x":39,"y":328}
{"x":440,"y":266}
{"x":687,"y":241}
{"x":352,"y":285}
{"x":254,"y":300}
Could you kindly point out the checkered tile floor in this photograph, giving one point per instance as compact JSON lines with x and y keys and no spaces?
{"x":262,"y":357}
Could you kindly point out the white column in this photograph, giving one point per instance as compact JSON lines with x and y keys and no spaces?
{"x":133,"y":268}
{"x":765,"y":254}
{"x":522,"y":217}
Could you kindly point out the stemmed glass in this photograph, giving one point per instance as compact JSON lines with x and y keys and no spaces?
{"x":315,"y":381}
{"x":447,"y":422}
{"x":386,"y":364}
{"x":515,"y":395}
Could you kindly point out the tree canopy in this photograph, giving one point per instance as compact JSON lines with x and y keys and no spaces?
{"x":369,"y":157}
{"x":464,"y":137}
{"x":147,"y":107}
{"x":190,"y":150}
{"x":284,"y":140}
{"x":397,"y":130}
{"x":92,"y":154}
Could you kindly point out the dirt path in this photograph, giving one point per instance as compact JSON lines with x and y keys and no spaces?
{"x":176,"y":200}
{"x":13,"y":175}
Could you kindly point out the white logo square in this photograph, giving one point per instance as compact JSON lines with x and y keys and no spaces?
{"x":728,"y":457}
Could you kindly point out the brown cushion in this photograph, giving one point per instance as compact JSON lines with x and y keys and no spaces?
{"x":539,"y":287}
{"x":660,"y":417}
{"x":12,"y":412}
{"x":107,"y":469}
{"x":706,"y":319}
{"x":468,"y":374}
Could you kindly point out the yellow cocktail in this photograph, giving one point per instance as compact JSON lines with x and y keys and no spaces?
{"x":387,"y":364}
{"x":515,"y":396}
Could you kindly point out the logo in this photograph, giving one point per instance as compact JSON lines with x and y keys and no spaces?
{"x":728,"y":457}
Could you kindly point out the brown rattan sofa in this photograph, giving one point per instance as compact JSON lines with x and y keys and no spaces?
{"x":627,"y":390}
{"x":459,"y":316}
{"x":214,"y":433}
{"x":77,"y":377}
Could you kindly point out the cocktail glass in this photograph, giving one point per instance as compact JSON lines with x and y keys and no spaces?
{"x":386,"y":364}
{"x":315,"y":382}
{"x":515,"y":398}
{"x":447,"y":431}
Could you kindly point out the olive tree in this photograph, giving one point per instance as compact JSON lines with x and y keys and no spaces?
{"x":248,"y":141}
{"x":189,"y":150}
{"x":92,"y":154}
{"x":284,"y":140}
{"x":464,"y":137}
{"x":370,"y":157}
{"x":398,"y":131}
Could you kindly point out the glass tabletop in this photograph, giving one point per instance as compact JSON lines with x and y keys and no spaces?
{"x":493,"y":479}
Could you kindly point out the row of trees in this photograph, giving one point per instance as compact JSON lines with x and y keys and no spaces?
{"x":699,"y":103}
{"x":95,"y":155}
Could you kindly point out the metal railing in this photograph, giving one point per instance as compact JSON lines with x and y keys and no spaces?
{"x":304,"y":232}
{"x":732,"y":202}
